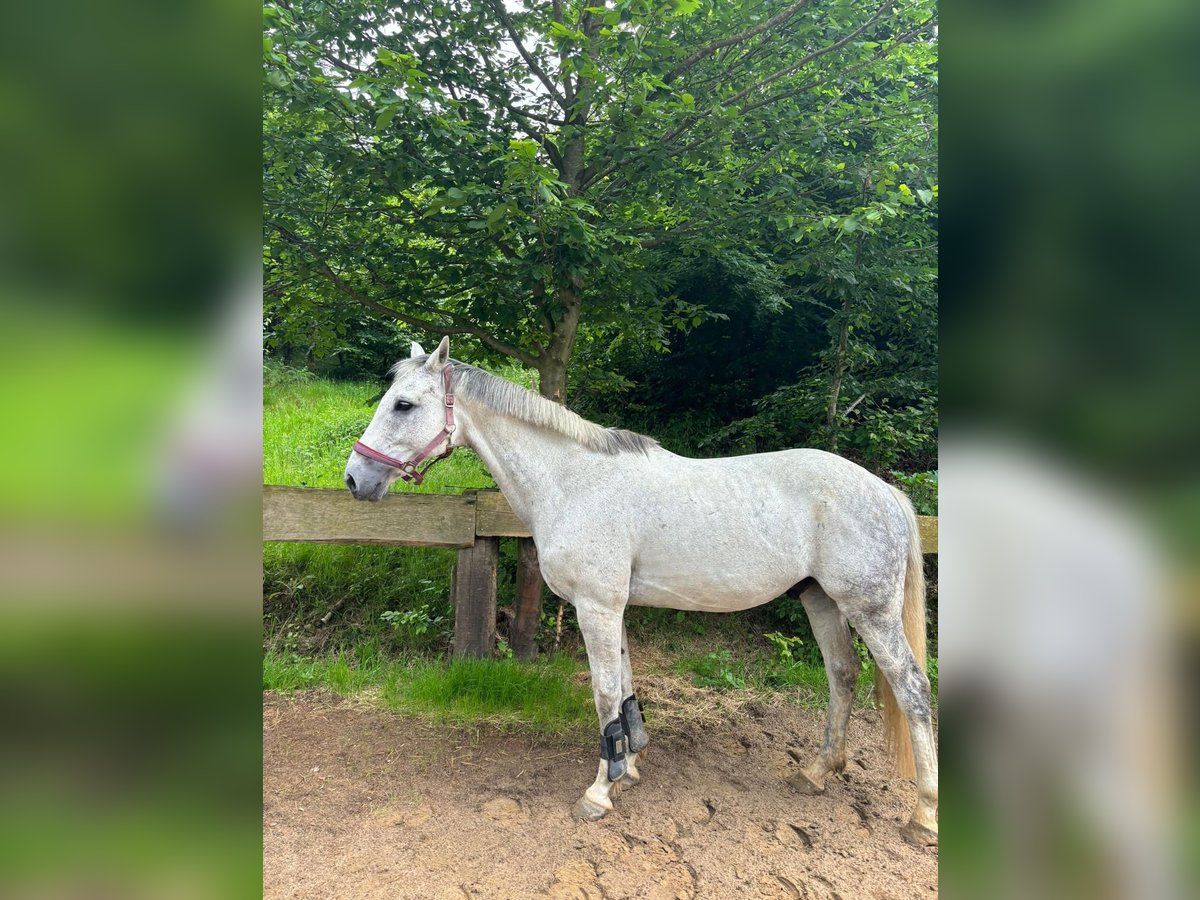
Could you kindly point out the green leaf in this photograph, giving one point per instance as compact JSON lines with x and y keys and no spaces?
{"x":496,"y":215}
{"x":558,"y":30}
{"x":524,"y":149}
{"x":385,"y":118}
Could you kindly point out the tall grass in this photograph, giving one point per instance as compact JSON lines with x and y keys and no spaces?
{"x":543,"y":696}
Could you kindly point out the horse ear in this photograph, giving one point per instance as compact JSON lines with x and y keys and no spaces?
{"x":416,"y":350}
{"x":439,"y":357}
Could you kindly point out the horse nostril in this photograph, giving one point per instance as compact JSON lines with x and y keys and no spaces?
{"x":350,"y":481}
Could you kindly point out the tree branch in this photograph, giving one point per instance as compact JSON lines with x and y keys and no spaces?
{"x":525,"y":55}
{"x":880,"y":54}
{"x":341,"y":63}
{"x":797,"y":66}
{"x":462,"y":324}
{"x":668,"y":140}
{"x":708,"y":50}
{"x":665,"y":237}
{"x":522,"y":118}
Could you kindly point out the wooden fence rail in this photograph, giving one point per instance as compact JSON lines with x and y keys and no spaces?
{"x":472,"y":523}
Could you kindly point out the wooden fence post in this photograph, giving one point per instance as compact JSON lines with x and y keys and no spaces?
{"x":473,"y":585}
{"x":528,"y":605}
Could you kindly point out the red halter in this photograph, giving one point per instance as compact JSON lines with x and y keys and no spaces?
{"x":408,"y":468}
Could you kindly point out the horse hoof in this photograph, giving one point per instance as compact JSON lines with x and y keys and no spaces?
{"x":801,"y":783}
{"x":919,"y":835}
{"x":589,"y":811}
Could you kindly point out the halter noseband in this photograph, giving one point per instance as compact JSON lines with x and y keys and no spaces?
{"x":408,"y":468}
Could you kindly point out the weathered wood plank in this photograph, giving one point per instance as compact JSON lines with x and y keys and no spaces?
{"x":473,"y":586}
{"x":432,"y":520}
{"x":314,"y":515}
{"x":527,"y":608}
{"x":928,"y":526}
{"x":495,"y":518}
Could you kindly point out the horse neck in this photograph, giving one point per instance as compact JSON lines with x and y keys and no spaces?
{"x":536,"y":468}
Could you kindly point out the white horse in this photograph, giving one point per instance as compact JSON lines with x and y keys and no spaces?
{"x":618,"y":520}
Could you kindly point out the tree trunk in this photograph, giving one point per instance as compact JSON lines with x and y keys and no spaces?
{"x":552,"y":364}
{"x":835,"y":383}
{"x":839,"y":359}
{"x":552,"y":379}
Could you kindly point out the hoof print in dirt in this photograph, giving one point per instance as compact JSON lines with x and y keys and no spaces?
{"x":702,"y":814}
{"x":505,"y":811}
{"x":793,"y":836}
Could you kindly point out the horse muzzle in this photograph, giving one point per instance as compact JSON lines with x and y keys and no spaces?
{"x":363,"y":482}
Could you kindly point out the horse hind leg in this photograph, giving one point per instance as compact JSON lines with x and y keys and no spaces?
{"x":881,"y":628}
{"x":841,"y":666}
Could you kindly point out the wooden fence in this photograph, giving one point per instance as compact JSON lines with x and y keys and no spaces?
{"x":472,"y":523}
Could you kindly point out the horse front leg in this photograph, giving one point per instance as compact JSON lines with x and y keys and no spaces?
{"x":601,"y":626}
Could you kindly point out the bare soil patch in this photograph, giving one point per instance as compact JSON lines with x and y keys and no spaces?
{"x":359,"y":802}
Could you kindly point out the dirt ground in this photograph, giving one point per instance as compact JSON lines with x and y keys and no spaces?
{"x":359,"y":802}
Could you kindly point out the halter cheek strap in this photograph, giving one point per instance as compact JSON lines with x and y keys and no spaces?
{"x":408,"y":468}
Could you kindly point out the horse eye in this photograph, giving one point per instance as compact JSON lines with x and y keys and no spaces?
{"x":402,"y":406}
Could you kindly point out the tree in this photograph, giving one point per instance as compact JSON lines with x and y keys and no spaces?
{"x":512,"y":171}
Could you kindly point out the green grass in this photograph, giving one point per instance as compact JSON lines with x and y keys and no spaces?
{"x":761,"y":670}
{"x":290,"y":672}
{"x":544,"y":696}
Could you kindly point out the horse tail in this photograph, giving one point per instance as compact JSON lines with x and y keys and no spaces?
{"x":895,"y":724}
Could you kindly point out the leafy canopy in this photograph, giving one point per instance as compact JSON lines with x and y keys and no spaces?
{"x":522,"y":173}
